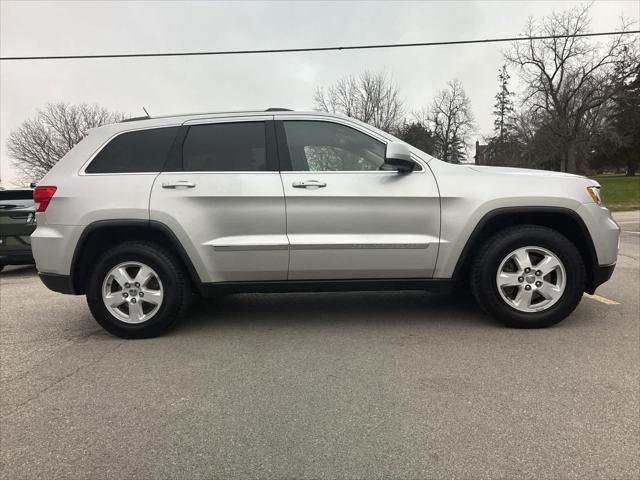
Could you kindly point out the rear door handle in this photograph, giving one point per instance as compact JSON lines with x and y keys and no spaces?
{"x":179,"y":184}
{"x":309,"y":184}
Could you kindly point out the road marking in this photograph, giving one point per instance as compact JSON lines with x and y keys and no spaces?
{"x":600,"y":299}
{"x":628,"y":223}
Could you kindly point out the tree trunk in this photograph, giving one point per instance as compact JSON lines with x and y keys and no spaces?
{"x":632,"y":168}
{"x":572,"y":166}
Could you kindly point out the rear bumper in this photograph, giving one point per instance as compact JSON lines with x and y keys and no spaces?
{"x":16,"y":257}
{"x":58,"y":283}
{"x":601,"y":274}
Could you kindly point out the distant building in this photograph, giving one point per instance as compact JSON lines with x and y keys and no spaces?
{"x":511,"y":155}
{"x":484,"y":154}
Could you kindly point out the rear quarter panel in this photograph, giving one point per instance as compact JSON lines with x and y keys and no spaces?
{"x":81,"y":199}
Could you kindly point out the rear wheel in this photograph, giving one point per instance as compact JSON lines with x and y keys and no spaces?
{"x":528,"y":277}
{"x":137,"y":290}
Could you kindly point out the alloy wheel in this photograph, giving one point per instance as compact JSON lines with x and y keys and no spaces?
{"x":531,"y":279}
{"x":132,"y":292}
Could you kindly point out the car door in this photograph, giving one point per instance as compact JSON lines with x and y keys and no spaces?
{"x":346,"y":218}
{"x":224,"y":201}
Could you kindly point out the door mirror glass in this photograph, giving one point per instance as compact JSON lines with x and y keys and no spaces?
{"x":398,"y":157}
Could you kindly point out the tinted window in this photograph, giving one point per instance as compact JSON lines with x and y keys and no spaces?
{"x":225,"y":147}
{"x":324,"y":146}
{"x":140,"y":151}
{"x":15,"y":199}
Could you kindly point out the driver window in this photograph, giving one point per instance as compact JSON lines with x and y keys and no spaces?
{"x":324,"y":146}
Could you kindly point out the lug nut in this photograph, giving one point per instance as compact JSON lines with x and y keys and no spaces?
{"x":538,"y":273}
{"x":526,"y":287}
{"x":527,"y":270}
{"x":538,"y":284}
{"x":127,"y":285}
{"x":142,"y":294}
{"x":521,"y":279}
{"x":133,"y":300}
{"x":125,"y":294}
{"x":137,"y":285}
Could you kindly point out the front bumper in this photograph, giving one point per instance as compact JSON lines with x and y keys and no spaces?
{"x":601,"y":274}
{"x":604,"y":232}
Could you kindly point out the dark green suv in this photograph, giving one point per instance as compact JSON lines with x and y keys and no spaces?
{"x":17,"y":222}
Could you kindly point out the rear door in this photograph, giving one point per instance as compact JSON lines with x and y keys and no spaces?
{"x":346,"y":218}
{"x":223,"y":199}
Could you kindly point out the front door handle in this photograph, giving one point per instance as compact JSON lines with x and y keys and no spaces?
{"x":179,"y":184}
{"x":309,"y":184}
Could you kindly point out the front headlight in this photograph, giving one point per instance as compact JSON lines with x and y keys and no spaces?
{"x":594,"y":193}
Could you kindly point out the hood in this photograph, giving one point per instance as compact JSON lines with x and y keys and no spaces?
{"x":522,"y":171}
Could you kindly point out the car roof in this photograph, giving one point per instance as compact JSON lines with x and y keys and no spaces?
{"x":139,"y":123}
{"x":272,"y":111}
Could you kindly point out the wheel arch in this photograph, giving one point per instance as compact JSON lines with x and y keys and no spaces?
{"x":99,"y":235}
{"x":564,"y":220}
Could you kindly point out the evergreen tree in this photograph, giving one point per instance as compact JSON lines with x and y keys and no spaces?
{"x":417,"y":134}
{"x":503,"y":108}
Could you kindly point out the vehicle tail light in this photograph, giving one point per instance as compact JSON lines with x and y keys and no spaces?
{"x":42,"y":196}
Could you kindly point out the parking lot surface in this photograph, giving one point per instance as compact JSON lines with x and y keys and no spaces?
{"x":327,"y":385}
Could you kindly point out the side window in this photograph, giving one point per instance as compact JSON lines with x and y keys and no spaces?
{"x":323,"y":146}
{"x":138,"y":151}
{"x":225,"y":147}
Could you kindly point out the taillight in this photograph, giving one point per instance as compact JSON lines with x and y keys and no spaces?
{"x":42,"y":196}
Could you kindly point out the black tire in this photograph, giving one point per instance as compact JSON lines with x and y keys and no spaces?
{"x":171,"y":273}
{"x":495,"y":249}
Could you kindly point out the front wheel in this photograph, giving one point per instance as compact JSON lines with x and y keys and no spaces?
{"x":137,"y":290}
{"x":528,"y":276}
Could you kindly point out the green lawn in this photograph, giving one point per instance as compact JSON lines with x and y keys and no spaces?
{"x":620,"y":192}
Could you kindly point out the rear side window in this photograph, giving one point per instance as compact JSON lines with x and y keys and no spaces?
{"x":139,"y":151}
{"x":225,"y":147}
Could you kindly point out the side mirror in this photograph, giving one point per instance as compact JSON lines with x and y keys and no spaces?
{"x":398,"y":157}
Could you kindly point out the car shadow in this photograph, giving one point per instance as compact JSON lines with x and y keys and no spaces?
{"x":345,"y":308}
{"x":18,"y":271}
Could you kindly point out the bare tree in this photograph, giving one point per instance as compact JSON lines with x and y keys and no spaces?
{"x":370,"y":97}
{"x":569,"y":79}
{"x":37,"y":144}
{"x":452,"y":122}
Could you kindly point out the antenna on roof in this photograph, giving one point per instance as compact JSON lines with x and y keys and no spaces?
{"x":145,"y":111}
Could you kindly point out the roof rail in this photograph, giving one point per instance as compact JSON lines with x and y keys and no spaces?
{"x":278,"y":109}
{"x":133,"y":119}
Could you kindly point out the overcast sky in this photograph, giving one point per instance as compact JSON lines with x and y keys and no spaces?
{"x":195,"y":84}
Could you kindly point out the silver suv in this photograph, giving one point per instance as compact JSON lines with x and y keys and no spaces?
{"x":140,"y":214}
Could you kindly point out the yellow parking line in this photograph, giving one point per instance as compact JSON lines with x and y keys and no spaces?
{"x":600,"y":299}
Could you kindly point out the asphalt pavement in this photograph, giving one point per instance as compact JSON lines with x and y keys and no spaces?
{"x":327,"y":385}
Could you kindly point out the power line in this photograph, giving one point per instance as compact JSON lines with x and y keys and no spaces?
{"x":316,"y":49}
